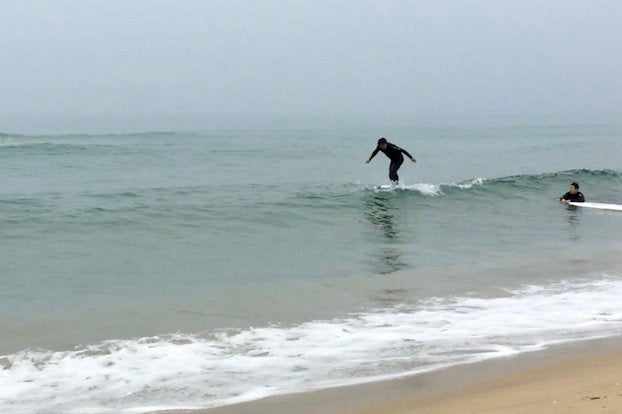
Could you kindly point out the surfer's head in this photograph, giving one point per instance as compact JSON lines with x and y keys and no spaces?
{"x":574,"y":188}
{"x":382,"y":143}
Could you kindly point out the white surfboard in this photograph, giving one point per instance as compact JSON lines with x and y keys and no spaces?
{"x":600,"y":206}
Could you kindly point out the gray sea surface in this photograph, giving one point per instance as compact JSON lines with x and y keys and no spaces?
{"x":121,"y":236}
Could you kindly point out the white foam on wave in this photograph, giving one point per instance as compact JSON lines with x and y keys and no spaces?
{"x":423,"y":188}
{"x":429,"y":189}
{"x":7,"y":141}
{"x":191,"y":371}
{"x":469,"y":184}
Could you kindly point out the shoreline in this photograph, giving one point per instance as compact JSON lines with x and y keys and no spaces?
{"x":571,"y":378}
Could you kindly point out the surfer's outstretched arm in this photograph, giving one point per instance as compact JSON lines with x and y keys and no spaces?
{"x":407,"y":154}
{"x":373,"y":154}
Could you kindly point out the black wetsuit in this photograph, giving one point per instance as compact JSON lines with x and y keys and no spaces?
{"x":575,"y":198}
{"x":395,"y":155}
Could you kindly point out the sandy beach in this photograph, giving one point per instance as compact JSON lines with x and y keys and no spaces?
{"x":578,"y":378}
{"x":582,"y":385}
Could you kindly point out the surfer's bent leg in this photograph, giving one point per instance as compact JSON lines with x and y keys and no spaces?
{"x":395,"y":165}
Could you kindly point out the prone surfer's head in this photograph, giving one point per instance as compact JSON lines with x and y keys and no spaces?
{"x":382,"y":143}
{"x":574,"y":188}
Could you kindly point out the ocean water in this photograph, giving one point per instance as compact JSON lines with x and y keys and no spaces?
{"x":155,"y":270}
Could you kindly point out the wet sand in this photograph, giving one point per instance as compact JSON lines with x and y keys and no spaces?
{"x":579,"y":378}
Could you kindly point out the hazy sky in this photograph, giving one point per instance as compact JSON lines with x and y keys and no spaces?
{"x":319,"y":58}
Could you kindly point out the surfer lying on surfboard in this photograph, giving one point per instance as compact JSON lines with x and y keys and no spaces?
{"x":395,"y":155}
{"x":573,"y":195}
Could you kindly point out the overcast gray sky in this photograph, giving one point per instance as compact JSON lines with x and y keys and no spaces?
{"x":281,"y":58}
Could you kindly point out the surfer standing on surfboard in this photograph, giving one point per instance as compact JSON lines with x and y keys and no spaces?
{"x":395,"y":155}
{"x":573,"y":195}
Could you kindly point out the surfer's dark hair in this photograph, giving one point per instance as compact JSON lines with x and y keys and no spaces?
{"x":382,"y":141}
{"x":575,"y":185}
